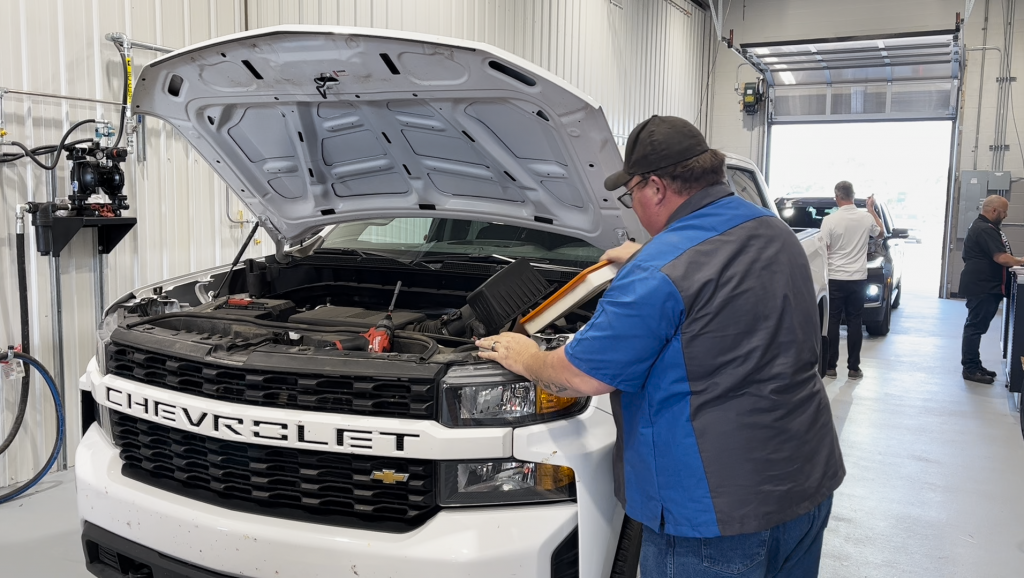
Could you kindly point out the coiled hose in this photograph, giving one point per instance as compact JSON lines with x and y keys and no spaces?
{"x":19,"y":416}
{"x":57,"y":442}
{"x":34,"y":363}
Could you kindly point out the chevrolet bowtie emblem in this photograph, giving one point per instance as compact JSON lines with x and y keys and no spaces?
{"x":389,"y":476}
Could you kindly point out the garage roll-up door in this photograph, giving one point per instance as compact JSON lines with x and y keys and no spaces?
{"x":859,"y":79}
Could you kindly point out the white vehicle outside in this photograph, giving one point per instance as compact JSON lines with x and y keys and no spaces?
{"x":216,"y":449}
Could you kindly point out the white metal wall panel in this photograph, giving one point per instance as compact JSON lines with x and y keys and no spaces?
{"x":57,"y":46}
{"x":645,"y":58}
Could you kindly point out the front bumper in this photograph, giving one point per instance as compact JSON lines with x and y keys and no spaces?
{"x":493,"y":542}
{"x":108,"y":555}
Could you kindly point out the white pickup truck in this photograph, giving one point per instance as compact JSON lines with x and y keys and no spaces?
{"x":255,"y":433}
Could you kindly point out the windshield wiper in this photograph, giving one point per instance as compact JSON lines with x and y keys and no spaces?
{"x":361,"y":254}
{"x":493,"y":258}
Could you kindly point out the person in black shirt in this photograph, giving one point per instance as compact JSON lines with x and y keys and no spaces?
{"x":986,"y":259}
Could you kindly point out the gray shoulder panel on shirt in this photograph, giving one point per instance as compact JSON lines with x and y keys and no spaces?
{"x":750,"y":340}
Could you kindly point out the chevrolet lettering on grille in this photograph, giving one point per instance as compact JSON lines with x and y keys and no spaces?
{"x":389,"y":476}
{"x":277,"y":431}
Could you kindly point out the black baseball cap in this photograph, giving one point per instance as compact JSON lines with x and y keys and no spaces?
{"x":657,"y":143}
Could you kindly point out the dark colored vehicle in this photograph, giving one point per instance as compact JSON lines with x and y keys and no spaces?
{"x":885,"y":254}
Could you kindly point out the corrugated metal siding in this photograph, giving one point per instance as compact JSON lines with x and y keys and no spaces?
{"x":645,"y":58}
{"x":642,"y":59}
{"x":57,"y":46}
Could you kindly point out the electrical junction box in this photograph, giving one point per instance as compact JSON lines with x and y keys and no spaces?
{"x":975,"y":186}
{"x":752,"y":97}
{"x":999,"y":182}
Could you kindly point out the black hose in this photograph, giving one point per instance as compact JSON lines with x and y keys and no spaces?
{"x":465,"y":348}
{"x":19,"y":416}
{"x":432,"y":346}
{"x":238,"y":257}
{"x":40,"y":150}
{"x":31,"y":153}
{"x":58,"y":440}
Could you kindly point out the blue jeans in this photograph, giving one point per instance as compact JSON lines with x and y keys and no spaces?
{"x":789,"y":550}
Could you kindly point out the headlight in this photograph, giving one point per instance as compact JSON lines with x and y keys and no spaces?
{"x":873,"y":290}
{"x":503,"y":482}
{"x":486,"y":394}
{"x":876,"y":262}
{"x":107,"y":326}
{"x":101,"y":352}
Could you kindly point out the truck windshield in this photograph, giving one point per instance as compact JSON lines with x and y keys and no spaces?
{"x":413,"y":239}
{"x":806,"y":217}
{"x":803,"y":214}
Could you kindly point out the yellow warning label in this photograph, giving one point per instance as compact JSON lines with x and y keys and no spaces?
{"x":128,"y":64}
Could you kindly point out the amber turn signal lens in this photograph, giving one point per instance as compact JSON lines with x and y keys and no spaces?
{"x":550,"y":403}
{"x":551,"y":477}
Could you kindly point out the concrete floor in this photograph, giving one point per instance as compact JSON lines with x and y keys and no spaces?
{"x":39,"y":532}
{"x":935,"y":466}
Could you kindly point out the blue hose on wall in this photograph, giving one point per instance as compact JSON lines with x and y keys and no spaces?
{"x":34,"y":363}
{"x":55,"y":452}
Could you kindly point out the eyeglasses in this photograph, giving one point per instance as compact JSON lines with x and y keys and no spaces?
{"x":627,"y":198}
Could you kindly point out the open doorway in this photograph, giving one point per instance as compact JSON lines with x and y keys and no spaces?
{"x":904,"y":164}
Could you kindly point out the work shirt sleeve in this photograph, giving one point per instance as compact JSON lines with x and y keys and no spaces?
{"x":991,"y":241}
{"x":875,"y":229}
{"x":826,"y":232}
{"x":639,"y":315}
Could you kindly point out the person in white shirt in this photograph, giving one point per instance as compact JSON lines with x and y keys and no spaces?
{"x":846,"y":234}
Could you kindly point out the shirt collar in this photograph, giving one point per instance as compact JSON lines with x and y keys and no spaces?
{"x":984,"y":218}
{"x":849,"y":208}
{"x":699,"y":200}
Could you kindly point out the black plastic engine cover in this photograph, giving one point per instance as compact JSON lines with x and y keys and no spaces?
{"x":330,"y":316}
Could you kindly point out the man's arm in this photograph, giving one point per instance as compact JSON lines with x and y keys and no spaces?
{"x":1007,"y":260}
{"x":636,"y":318}
{"x":550,"y":370}
{"x":826,"y":231}
{"x":874,"y":215}
{"x":991,"y":242}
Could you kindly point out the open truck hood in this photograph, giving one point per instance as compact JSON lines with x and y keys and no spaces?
{"x":313,"y":125}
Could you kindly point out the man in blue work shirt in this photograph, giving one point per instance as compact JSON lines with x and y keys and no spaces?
{"x":710,"y":332}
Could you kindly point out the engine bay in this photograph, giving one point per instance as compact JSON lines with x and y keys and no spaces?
{"x":337,"y":305}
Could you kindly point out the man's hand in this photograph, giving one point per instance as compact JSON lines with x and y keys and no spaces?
{"x":871,"y":204}
{"x":511,"y":350}
{"x":622,"y":253}
{"x":550,"y":370}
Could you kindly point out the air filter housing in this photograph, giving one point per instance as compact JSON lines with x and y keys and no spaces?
{"x":506,"y":295}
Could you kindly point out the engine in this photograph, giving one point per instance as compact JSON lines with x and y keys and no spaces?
{"x":347,"y":313}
